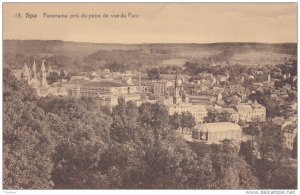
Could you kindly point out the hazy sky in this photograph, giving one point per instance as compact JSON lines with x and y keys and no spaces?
{"x":157,"y":23}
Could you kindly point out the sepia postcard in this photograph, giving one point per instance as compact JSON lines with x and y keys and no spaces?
{"x":198,"y":96}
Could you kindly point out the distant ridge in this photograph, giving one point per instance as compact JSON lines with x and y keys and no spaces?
{"x":78,"y":54}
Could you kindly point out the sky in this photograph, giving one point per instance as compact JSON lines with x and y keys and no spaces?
{"x":154,"y":22}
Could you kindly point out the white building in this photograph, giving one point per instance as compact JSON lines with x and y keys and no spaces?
{"x":216,"y":132}
{"x":251,"y":112}
{"x":181,"y":104}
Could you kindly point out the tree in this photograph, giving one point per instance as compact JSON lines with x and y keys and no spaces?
{"x":154,"y":74}
{"x":294,"y":151}
{"x":232,"y":171}
{"x":28,"y":142}
{"x":82,"y":133}
{"x":248,"y":152}
{"x":53,"y":77}
{"x":62,"y":74}
{"x":215,"y":116}
{"x":175,"y":120}
{"x":124,"y":121}
{"x":254,"y":130}
{"x":201,"y":174}
{"x":187,"y":121}
{"x":271,"y":143}
{"x":183,"y":122}
{"x":272,"y":155}
{"x":154,"y":116}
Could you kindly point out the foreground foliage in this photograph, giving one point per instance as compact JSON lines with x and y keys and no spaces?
{"x":67,"y":143}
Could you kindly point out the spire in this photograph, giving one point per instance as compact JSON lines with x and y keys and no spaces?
{"x":26,"y":72}
{"x":176,"y":97}
{"x":34,"y":70}
{"x":176,"y":86}
{"x":140,"y":82}
{"x":43,"y":73}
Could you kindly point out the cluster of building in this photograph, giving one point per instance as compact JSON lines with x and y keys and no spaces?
{"x":176,"y":92}
{"x":38,"y":80}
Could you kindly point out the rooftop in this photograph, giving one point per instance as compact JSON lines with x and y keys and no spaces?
{"x":243,"y":107}
{"x":217,"y":127}
{"x":105,"y":83}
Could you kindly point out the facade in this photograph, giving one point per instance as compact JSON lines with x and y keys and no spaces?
{"x":234,"y":115}
{"x":159,"y":87}
{"x":216,"y":132}
{"x":106,"y":92}
{"x":234,"y":88}
{"x":94,"y":89}
{"x":289,"y":134}
{"x":180,"y":103}
{"x":198,"y":111}
{"x":146,"y":89}
{"x":259,"y":112}
{"x":251,"y":112}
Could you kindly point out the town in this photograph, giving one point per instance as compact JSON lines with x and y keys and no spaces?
{"x":221,"y":105}
{"x":122,"y":118}
{"x":192,"y":96}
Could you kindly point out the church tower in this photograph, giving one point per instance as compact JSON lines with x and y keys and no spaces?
{"x":269,"y":79}
{"x":43,"y":74}
{"x":176,"y":97}
{"x":26,"y":73}
{"x":140,"y":82}
{"x":34,"y":76}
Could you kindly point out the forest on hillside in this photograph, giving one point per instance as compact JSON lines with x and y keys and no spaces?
{"x":78,"y":56}
{"x":66,"y":143}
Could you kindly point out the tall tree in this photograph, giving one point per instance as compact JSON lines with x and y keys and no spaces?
{"x":294,"y":151}
{"x":215,"y":116}
{"x":154,"y":74}
{"x":28,"y":142}
{"x":175,"y":120}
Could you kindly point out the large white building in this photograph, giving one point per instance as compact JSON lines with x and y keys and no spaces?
{"x":251,"y":112}
{"x":179,"y":104}
{"x":106,"y":92}
{"x":216,"y":132}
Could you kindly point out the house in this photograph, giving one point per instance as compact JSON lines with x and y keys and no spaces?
{"x":234,"y":88}
{"x":251,"y":112}
{"x":289,"y":134}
